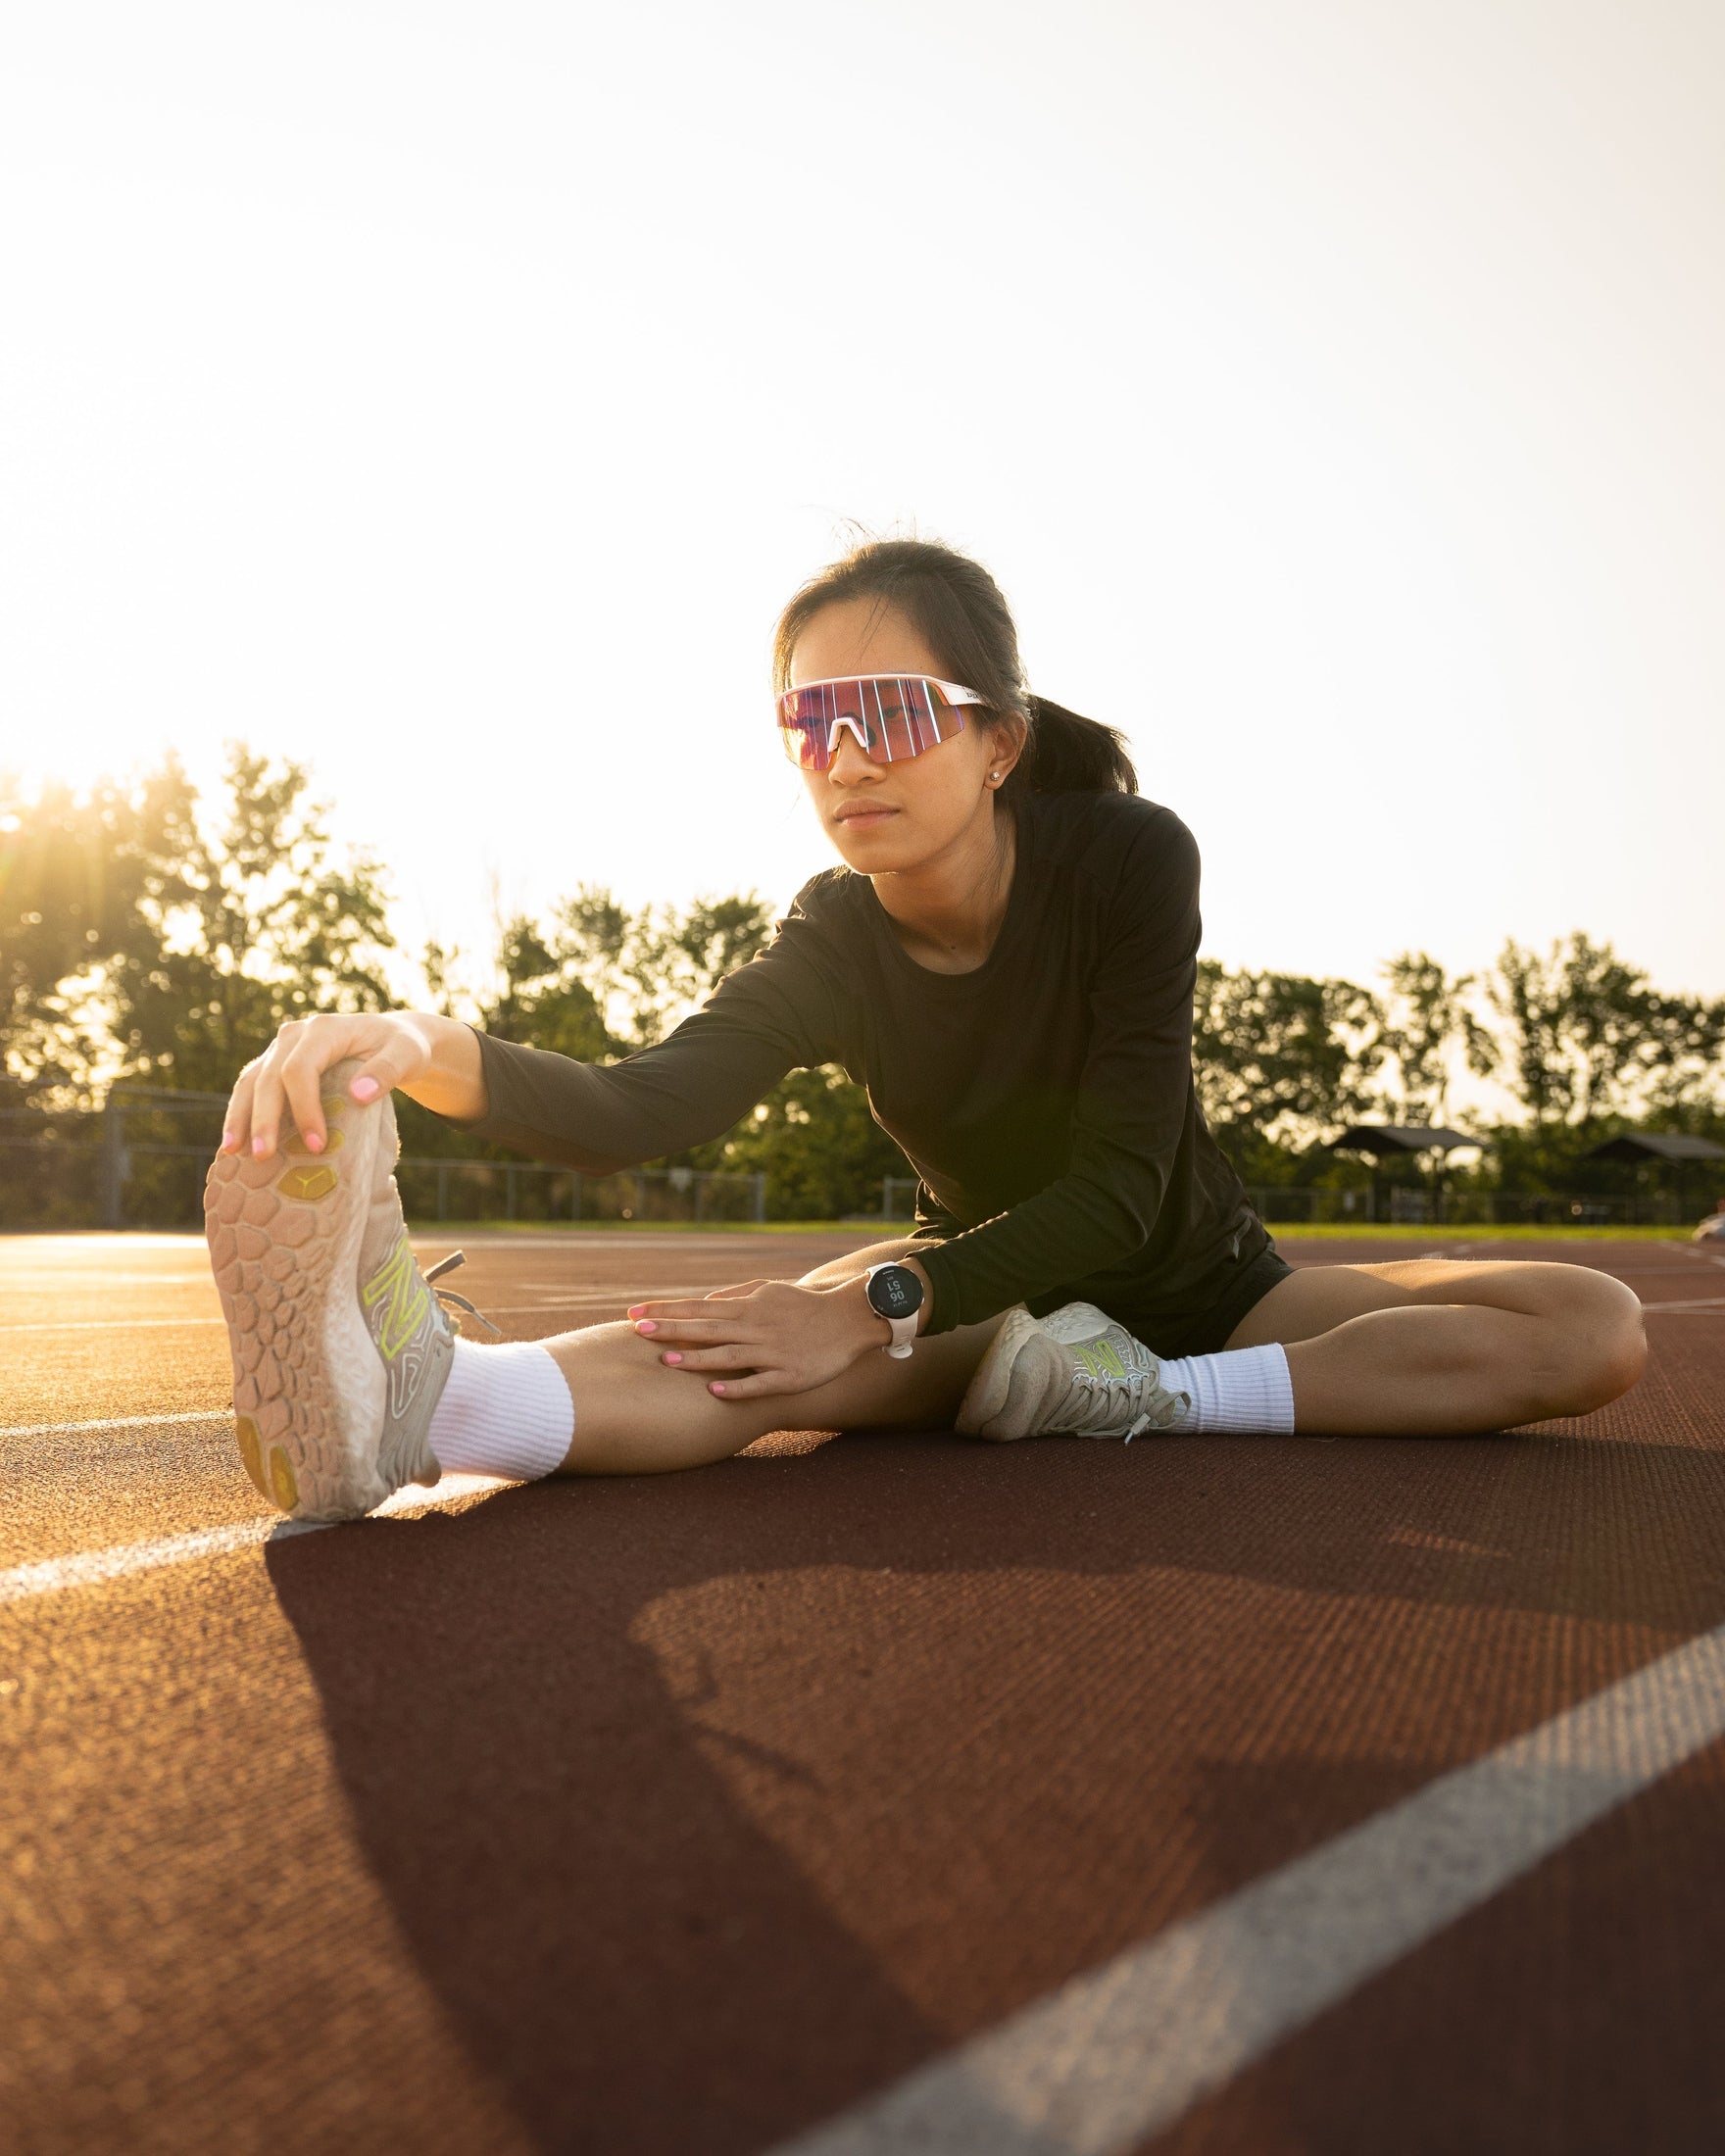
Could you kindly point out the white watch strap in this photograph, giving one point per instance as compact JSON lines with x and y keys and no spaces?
{"x":904,"y":1335}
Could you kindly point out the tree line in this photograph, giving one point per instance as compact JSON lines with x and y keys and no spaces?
{"x":149,"y":936}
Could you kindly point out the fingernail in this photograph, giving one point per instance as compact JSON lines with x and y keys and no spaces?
{"x":716,"y":1387}
{"x":635,"y":1309}
{"x":365,"y":1089}
{"x":672,"y":1356}
{"x":229,"y":1140}
{"x":645,"y":1325}
{"x":313,"y":1141}
{"x":257,"y":1148}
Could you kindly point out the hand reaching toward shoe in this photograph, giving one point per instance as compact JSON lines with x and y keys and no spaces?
{"x":433,"y":1060}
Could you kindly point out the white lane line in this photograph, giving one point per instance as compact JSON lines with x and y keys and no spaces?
{"x":112,"y":1422}
{"x":1120,"y":2053}
{"x":90,"y":1567}
{"x":1698,"y":1303}
{"x":107,"y":1324}
{"x":53,"y":1575}
{"x":555,"y":1301}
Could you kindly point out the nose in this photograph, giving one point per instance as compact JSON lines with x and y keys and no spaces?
{"x":849,"y":764}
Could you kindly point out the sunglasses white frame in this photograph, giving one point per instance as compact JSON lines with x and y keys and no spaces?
{"x":954,"y":692}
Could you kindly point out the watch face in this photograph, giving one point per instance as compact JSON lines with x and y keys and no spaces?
{"x":896,"y":1292}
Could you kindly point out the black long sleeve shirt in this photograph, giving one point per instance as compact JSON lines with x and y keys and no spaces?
{"x":1046,"y":1100}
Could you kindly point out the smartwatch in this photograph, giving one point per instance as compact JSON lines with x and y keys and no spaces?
{"x":895,"y":1293}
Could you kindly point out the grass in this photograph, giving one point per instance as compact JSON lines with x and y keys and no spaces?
{"x":876,"y":1228}
{"x":1463,"y":1231}
{"x":1287,"y":1231}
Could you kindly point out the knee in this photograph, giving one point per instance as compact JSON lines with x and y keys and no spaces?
{"x":1605,"y":1341}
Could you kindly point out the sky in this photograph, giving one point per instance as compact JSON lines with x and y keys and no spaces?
{"x":450,"y":397}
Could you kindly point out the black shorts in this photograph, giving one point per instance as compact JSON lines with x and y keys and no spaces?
{"x":1192,"y":1316}
{"x":1208,"y":1332}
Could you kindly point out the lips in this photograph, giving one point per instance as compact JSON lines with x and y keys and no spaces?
{"x":864,"y":812}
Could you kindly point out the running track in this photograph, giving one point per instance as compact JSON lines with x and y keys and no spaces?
{"x":1269,"y":1798}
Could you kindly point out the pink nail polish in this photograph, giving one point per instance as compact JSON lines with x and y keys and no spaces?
{"x":716,"y":1387}
{"x":365,"y":1089}
{"x":673,"y":1357}
{"x":313,"y":1141}
{"x":257,"y":1148}
{"x":645,"y":1325}
{"x":229,"y":1140}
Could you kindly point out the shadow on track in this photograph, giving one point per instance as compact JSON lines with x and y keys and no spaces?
{"x":636,"y":1962}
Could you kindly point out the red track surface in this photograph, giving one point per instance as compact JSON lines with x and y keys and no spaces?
{"x":682,"y":1814}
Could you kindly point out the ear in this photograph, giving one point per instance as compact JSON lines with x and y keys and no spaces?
{"x":1007,"y":735}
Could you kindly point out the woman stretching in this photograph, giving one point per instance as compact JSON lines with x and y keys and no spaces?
{"x":1006,"y":962}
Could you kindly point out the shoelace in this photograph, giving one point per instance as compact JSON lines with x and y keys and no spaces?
{"x":448,"y":1296}
{"x":1133,"y":1386}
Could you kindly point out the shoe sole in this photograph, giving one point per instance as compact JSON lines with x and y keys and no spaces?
{"x":284,"y":1238}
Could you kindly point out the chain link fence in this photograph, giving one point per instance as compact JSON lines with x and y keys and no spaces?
{"x":141,"y":1162}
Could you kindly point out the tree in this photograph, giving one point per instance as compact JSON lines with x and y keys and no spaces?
{"x":544,"y":1003}
{"x":598,"y":981}
{"x":1589,"y":1036}
{"x":1280,"y":1058}
{"x":74,"y":872}
{"x":819,"y":1146}
{"x":246,"y":919}
{"x":1428,"y":1022}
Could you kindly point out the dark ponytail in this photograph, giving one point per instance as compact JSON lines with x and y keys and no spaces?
{"x":961,"y":614}
{"x":1070,"y":754}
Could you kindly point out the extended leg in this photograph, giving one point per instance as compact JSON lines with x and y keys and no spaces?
{"x":634,"y":1416}
{"x":1434,"y":1346}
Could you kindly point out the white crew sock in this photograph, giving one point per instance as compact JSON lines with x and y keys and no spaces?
{"x":504,"y":1411}
{"x":1243,"y":1388}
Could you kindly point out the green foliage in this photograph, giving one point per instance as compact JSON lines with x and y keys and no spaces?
{"x":1281,"y":1060}
{"x":143,"y":939}
{"x":822,"y":1151}
{"x":74,"y":871}
{"x":252,"y":919}
{"x":147,"y":934}
{"x":543,"y":1000}
{"x":1426,"y":1023}
{"x":598,"y":981}
{"x":1587,"y":1035}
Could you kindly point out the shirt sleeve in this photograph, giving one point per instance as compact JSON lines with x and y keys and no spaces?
{"x":1130,"y":1111}
{"x":777,"y":1013}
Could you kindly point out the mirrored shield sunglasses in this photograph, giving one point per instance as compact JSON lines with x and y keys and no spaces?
{"x":890,"y":716}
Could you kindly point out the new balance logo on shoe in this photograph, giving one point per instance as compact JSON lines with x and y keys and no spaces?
{"x":398,"y":1306}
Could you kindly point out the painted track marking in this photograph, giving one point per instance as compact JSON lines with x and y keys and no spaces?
{"x":107,"y":1324}
{"x":115,"y":1422}
{"x":1123,"y":2052}
{"x":91,"y":1567}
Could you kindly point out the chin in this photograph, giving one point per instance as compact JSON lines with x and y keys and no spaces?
{"x":875,"y":852}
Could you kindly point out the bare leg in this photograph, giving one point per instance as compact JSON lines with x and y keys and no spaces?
{"x":1433,"y":1347}
{"x":634,"y":1416}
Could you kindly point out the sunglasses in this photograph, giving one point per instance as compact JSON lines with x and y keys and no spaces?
{"x":891,"y":718}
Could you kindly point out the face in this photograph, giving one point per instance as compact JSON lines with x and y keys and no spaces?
{"x":887,"y":819}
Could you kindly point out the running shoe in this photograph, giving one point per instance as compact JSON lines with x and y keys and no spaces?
{"x":1075,"y":1371}
{"x":339,"y":1343}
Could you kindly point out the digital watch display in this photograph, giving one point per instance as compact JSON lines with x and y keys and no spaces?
{"x":895,"y":1293}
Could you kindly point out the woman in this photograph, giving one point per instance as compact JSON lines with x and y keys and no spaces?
{"x":1006,"y":961}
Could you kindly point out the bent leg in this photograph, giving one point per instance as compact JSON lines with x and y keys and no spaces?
{"x":1433,"y":1347}
{"x":635,"y":1416}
